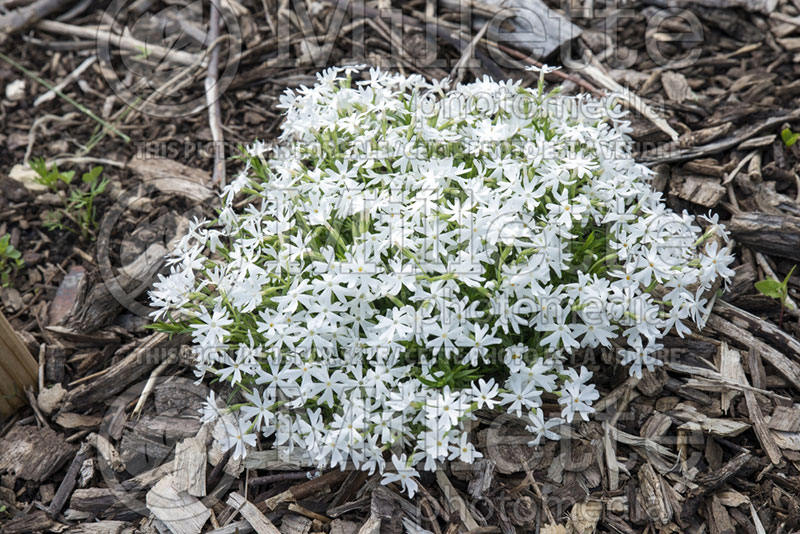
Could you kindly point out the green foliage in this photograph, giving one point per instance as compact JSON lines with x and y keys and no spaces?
{"x":445,"y":373}
{"x":771,"y":288}
{"x":50,"y":177}
{"x":776,"y":290}
{"x":789,"y":137}
{"x":10,"y":260}
{"x":79,"y":212}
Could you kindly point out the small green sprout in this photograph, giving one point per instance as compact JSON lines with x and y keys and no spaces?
{"x":79,"y":201}
{"x":50,"y":177}
{"x":789,"y":137}
{"x":776,"y":290}
{"x":10,"y":260}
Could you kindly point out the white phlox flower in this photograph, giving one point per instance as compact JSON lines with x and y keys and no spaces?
{"x":409,"y":253}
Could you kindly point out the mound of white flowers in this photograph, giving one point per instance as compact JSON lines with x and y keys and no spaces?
{"x":408,"y":254}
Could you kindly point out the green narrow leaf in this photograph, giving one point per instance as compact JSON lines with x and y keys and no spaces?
{"x":786,"y":280}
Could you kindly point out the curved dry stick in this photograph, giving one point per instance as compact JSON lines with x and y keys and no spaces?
{"x":212,"y":97}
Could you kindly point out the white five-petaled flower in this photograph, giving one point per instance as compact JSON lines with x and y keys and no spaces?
{"x":403,"y":474}
{"x":239,"y":437}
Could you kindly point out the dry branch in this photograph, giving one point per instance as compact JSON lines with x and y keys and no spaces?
{"x":212,"y":97}
{"x":20,"y":18}
{"x":773,"y":234}
{"x":674,"y":154}
{"x":784,"y":365}
{"x":122,"y":374}
{"x":125,"y":42}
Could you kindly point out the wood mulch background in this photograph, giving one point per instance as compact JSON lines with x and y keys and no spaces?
{"x":709,"y":443}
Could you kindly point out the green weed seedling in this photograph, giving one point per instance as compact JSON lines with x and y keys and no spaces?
{"x":79,"y":213}
{"x":789,"y":137}
{"x":10,"y":260}
{"x":777,"y":290}
{"x":51,"y":177}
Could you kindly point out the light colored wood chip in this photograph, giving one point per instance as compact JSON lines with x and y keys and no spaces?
{"x":454,"y":501}
{"x":340,"y":526}
{"x":724,"y":428}
{"x":732,"y":498}
{"x":297,"y":524}
{"x":584,"y":516}
{"x":253,"y":515}
{"x":190,"y":464}
{"x":763,"y":434}
{"x":730,"y":368}
{"x":698,"y":190}
{"x":757,"y":142}
{"x":236,"y":527}
{"x":719,"y":521}
{"x":76,"y":420}
{"x":757,"y":521}
{"x":610,"y":455}
{"x":787,"y":440}
{"x":107,"y":451}
{"x":676,"y":87}
{"x":657,"y":505}
{"x":50,"y":398}
{"x":275,"y":460}
{"x":180,"y":512}
{"x":552,"y":28}
{"x":785,"y":419}
{"x":371,"y":526}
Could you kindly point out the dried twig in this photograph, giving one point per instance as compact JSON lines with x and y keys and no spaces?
{"x":596,"y":71}
{"x":301,"y":491}
{"x":457,"y":74}
{"x":22,"y":17}
{"x":151,"y":383}
{"x":212,"y":97}
{"x":124,"y":42}
{"x":71,"y":77}
{"x":279,"y":477}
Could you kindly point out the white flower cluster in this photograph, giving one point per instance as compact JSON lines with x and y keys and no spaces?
{"x":408,"y":254}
